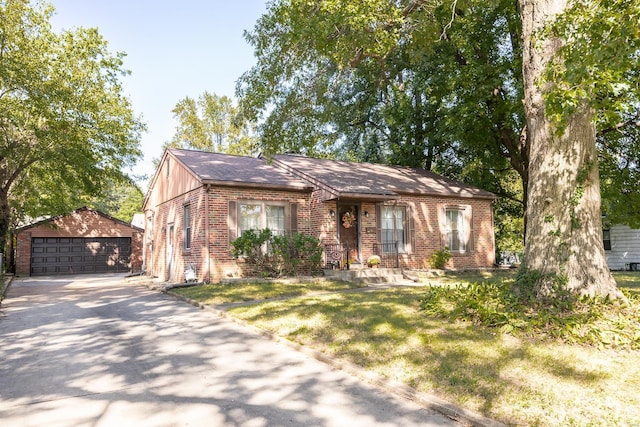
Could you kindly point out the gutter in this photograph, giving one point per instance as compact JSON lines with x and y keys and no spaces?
{"x":244,"y":184}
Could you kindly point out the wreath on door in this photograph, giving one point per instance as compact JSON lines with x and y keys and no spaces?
{"x":348,"y":219}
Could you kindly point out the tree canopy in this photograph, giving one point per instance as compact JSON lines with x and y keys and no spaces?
{"x":66,"y":129}
{"x":212,"y":123}
{"x":420,"y":92}
{"x":600,"y":63}
{"x":440,"y":85}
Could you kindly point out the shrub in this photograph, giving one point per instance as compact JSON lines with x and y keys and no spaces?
{"x":275,"y":255}
{"x":297,"y":252}
{"x":440,"y":258}
{"x":570,"y":318}
{"x":252,"y":247}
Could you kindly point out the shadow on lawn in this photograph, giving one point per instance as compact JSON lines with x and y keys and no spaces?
{"x":386,"y":332}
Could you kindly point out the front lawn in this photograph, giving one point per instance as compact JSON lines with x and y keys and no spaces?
{"x":217,"y":294}
{"x":517,"y":379}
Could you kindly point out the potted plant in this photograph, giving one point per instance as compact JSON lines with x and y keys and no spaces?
{"x":374,"y":261}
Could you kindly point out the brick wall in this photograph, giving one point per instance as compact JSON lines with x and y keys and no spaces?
{"x":427,"y":213}
{"x":211,"y":251}
{"x":210,"y":248}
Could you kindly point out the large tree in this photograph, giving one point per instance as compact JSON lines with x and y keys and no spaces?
{"x":212,"y":123}
{"x":453,"y":106}
{"x":464,"y":71}
{"x":122,"y":200}
{"x":65,"y":126}
{"x":562,"y":101}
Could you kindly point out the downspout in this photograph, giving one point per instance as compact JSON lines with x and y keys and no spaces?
{"x":148,"y":246}
{"x":207,"y":250}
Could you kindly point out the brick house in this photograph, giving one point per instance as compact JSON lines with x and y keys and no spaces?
{"x":84,"y":241}
{"x":198,"y":202}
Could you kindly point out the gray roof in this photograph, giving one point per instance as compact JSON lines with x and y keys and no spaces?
{"x":370,"y":179}
{"x":226,"y":169}
{"x":338,"y":179}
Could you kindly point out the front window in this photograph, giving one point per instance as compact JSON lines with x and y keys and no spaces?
{"x":261,"y":215}
{"x":186,"y":219}
{"x":456,"y":233}
{"x":393,"y":230}
{"x":275,"y":219}
{"x":250,"y":217}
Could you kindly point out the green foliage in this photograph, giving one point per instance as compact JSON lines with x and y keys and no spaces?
{"x":66,"y":125}
{"x":120,"y":200}
{"x":212,"y":123}
{"x":620,"y":172}
{"x":598,"y":62}
{"x":297,"y":252}
{"x":411,"y":96}
{"x":251,"y":244}
{"x":440,"y":258}
{"x":520,"y":311}
{"x":275,"y":255}
{"x":379,"y":83}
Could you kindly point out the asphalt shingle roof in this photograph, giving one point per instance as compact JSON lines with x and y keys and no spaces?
{"x":225,"y":168}
{"x":377,"y":179}
{"x":341,"y":178}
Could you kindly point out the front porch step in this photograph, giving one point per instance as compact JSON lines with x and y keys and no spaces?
{"x":367,"y":275}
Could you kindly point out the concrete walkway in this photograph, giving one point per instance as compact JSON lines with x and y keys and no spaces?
{"x":96,"y":351}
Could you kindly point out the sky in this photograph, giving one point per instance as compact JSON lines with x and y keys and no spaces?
{"x":174,"y":49}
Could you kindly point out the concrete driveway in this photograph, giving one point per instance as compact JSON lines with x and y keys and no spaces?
{"x":97,"y":351}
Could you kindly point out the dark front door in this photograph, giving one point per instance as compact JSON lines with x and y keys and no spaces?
{"x":348,"y":226}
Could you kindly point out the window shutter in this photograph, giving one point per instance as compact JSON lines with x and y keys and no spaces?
{"x":379,"y":223}
{"x":293,"y":212}
{"x":232,"y":221}
{"x":411,"y":235}
{"x":442,"y":223}
{"x":468,"y":228}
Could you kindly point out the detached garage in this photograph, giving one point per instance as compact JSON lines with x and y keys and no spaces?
{"x":85,"y":241}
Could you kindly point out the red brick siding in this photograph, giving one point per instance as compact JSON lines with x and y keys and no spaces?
{"x":221,"y":262}
{"x":426,"y":211}
{"x":313,"y":218}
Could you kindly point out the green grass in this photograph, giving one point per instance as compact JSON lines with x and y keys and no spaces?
{"x":629,"y":280}
{"x":520,"y":380}
{"x":217,"y":294}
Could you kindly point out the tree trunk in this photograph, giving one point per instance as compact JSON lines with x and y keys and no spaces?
{"x":5,"y":219}
{"x":564,"y":225}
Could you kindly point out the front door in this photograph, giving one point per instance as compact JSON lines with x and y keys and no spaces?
{"x":348,"y":226}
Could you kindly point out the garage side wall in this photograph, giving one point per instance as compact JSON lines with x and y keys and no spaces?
{"x":80,"y":223}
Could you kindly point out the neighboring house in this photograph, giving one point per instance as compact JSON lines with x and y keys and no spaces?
{"x":622,"y":247}
{"x":198,"y":202}
{"x":84,"y":241}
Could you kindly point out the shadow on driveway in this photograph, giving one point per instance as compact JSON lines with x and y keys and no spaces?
{"x":97,"y":351}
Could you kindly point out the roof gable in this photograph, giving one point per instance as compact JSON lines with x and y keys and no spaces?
{"x":226,"y":169}
{"x":336,"y":179}
{"x":54,"y":219}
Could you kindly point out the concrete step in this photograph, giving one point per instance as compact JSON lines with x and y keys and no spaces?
{"x":367,"y":275}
